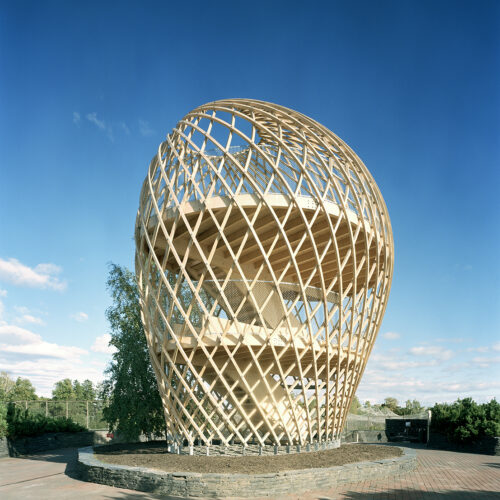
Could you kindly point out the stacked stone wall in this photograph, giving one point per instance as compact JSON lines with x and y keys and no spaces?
{"x":190,"y":484}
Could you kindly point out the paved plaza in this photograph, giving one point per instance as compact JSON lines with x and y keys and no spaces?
{"x":440,"y":475}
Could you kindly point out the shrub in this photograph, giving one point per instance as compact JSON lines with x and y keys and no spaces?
{"x":3,"y":420}
{"x":465,"y":421}
{"x":21,"y":423}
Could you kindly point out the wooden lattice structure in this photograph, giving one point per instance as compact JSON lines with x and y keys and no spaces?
{"x":264,"y":261}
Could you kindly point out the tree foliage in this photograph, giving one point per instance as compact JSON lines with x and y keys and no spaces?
{"x":391,"y":403}
{"x":134,"y":405}
{"x":465,"y":421}
{"x":19,"y":390}
{"x":355,"y":405}
{"x":65,"y":390}
{"x":21,"y":422}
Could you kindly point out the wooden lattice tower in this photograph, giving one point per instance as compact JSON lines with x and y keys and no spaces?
{"x":264,"y":261}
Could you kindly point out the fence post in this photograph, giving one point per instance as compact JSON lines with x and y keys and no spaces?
{"x":429,"y":425}
{"x":87,"y":414}
{"x":26,"y":404}
{"x":46,"y":408}
{"x":66,"y":409}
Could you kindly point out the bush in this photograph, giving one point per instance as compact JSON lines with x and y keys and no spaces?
{"x":3,"y":420}
{"x":21,"y":423}
{"x":465,"y":421}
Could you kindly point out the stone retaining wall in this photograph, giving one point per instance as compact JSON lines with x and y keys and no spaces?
{"x":242,"y":485}
{"x":4,"y":448}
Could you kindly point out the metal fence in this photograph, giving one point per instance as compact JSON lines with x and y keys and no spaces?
{"x":376,"y":422}
{"x":89,"y":414}
{"x":86,"y":413}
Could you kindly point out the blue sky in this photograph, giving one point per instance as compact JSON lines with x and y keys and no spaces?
{"x":89,"y":89}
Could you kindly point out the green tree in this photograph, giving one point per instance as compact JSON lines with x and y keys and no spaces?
{"x":23,"y":389}
{"x":412,"y":407}
{"x":63,"y":390}
{"x":88,"y":391}
{"x":134,"y":405}
{"x":355,"y":405}
{"x":465,"y":421}
{"x":20,"y":390}
{"x":6,"y":386}
{"x":391,"y":403}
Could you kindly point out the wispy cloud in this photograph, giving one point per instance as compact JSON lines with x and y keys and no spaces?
{"x":40,"y":276}
{"x":485,"y":362}
{"x":101,"y":125}
{"x":391,"y":335}
{"x":80,"y":317}
{"x":437,"y":352}
{"x":123,"y":126}
{"x":145,"y":129}
{"x":3,"y":293}
{"x":76,"y":117}
{"x":29,"y":318}
{"x":101,"y":344}
{"x":92,"y":118}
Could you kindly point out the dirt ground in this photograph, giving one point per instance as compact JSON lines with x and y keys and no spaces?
{"x":153,"y":455}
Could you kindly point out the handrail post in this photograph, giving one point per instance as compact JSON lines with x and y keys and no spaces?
{"x":87,"y":403}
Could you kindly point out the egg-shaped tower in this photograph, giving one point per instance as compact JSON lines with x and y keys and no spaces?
{"x":264,"y":258}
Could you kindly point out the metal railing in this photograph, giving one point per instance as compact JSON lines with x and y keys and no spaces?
{"x":86,"y":413}
{"x":376,"y":422}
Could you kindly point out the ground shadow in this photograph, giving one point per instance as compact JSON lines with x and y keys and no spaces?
{"x":139,"y":495}
{"x":492,"y":464}
{"x":62,"y":455}
{"x":409,"y":494}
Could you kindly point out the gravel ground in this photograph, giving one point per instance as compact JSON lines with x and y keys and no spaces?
{"x":153,"y":455}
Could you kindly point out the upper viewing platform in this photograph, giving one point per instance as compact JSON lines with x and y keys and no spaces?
{"x":281,"y":173}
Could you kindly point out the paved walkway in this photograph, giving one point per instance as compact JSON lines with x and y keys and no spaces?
{"x":442,"y":475}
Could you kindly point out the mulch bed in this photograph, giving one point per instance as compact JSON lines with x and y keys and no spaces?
{"x":153,"y":455}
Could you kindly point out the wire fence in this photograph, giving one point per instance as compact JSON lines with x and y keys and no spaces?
{"x":377,"y":422}
{"x":86,"y":413}
{"x":89,"y":414}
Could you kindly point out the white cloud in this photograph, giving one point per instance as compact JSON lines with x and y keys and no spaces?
{"x":41,"y":276}
{"x":101,"y":124}
{"x":76,"y":118}
{"x":101,"y":344}
{"x":124,"y":127}
{"x":496,"y":347}
{"x":28,"y":318}
{"x":391,"y":335}
{"x":3,"y":293}
{"x":145,"y":129}
{"x":477,"y":349}
{"x":17,"y":340}
{"x":485,"y":362}
{"x":438,"y":352}
{"x":24,"y":353}
{"x":92,"y":118}
{"x":80,"y":317}
{"x":15,"y":335}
